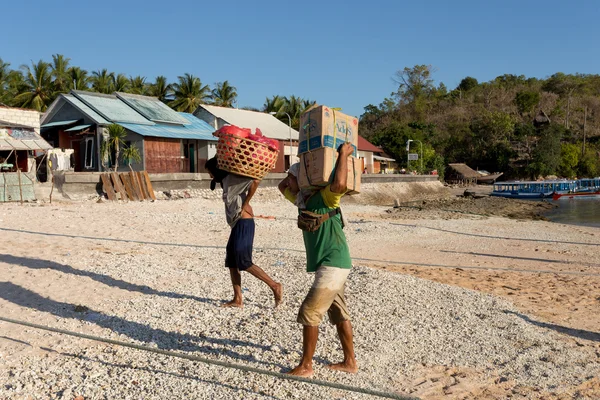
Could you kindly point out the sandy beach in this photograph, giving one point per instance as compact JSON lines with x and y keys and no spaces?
{"x":447,"y":302}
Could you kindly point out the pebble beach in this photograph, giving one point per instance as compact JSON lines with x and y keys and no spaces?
{"x":427,"y":322}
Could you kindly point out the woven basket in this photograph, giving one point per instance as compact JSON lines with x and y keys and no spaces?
{"x":244,"y":156}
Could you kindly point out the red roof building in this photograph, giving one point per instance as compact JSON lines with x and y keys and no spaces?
{"x":374,"y":160}
{"x":365,"y":145}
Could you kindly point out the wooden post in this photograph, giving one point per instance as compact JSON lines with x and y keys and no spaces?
{"x":52,"y":175}
{"x":19,"y":175}
{"x":20,"y":186}
{"x":51,"y":187}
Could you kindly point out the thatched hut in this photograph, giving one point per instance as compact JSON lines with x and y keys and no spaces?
{"x":461,"y":174}
{"x":541,"y":119}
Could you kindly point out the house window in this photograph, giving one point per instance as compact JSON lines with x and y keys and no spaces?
{"x":89,"y":153}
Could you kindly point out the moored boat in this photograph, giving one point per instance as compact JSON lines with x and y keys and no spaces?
{"x":584,"y":187}
{"x":533,"y":189}
{"x":557,"y":196}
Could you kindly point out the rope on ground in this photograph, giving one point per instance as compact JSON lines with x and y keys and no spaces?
{"x":223,"y":364}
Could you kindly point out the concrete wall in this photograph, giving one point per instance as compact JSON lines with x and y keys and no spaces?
{"x":376,"y":189}
{"x":21,"y":117}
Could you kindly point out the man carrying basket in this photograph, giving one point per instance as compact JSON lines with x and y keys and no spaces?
{"x":237,"y":193}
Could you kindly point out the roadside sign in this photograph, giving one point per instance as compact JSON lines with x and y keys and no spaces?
{"x":413,"y":156}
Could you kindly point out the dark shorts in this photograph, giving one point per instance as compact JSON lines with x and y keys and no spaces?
{"x":239,"y":246}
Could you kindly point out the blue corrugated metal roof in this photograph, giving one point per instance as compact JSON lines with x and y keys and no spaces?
{"x":59,"y":123}
{"x":152,"y":108}
{"x":77,"y":128}
{"x":100,"y":120}
{"x":111,"y":108}
{"x":196,"y":129}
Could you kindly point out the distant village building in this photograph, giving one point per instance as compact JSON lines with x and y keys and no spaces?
{"x":168,"y":141}
{"x":217,"y":117}
{"x":20,"y":140}
{"x":373,"y":158}
{"x":20,"y":144}
{"x":461,"y":174}
{"x":541,"y":119}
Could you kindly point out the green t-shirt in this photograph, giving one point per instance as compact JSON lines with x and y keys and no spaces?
{"x":327,"y":246}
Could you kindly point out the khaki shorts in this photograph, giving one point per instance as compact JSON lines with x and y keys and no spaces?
{"x":325,"y":295}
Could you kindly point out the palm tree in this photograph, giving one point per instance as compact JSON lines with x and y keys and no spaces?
{"x":137,"y":85}
{"x":60,"y":73}
{"x":224,"y":95}
{"x":306,"y":104}
{"x":274,"y":104}
{"x":78,"y":79}
{"x":4,"y":81}
{"x":131,"y":153}
{"x":16,"y":84}
{"x":120,"y":84}
{"x":189,"y":93}
{"x":160,"y":88}
{"x":116,"y":141}
{"x":36,"y":92}
{"x":103,"y":81}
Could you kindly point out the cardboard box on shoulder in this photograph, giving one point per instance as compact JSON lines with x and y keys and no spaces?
{"x":317,"y":167}
{"x":322,"y":126}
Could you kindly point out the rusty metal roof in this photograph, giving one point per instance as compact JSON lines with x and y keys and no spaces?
{"x":21,"y":138}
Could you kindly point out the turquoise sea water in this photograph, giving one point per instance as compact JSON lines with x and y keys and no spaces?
{"x":579,"y":211}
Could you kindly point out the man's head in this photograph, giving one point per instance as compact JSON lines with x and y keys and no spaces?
{"x":215,"y":173}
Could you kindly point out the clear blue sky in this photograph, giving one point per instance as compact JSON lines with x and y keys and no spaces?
{"x":342,"y":54}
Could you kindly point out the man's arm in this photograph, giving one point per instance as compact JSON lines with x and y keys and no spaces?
{"x":289,"y":188}
{"x":246,"y":205}
{"x":341,"y":170}
{"x":251,"y":191}
{"x":284,"y":184}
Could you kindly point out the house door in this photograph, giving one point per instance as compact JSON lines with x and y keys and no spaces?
{"x":192,"y":155}
{"x":78,"y":147}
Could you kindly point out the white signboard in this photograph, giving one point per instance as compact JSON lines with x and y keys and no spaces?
{"x":413,"y":156}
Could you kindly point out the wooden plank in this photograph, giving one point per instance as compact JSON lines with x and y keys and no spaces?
{"x":127,"y":184}
{"x":119,"y":186}
{"x":107,"y":187}
{"x":149,"y":185}
{"x":143,"y":186}
{"x":136,"y":186}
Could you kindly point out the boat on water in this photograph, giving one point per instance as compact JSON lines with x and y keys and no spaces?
{"x":585,"y":187}
{"x":533,"y":189}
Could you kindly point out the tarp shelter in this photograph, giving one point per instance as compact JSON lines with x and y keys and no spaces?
{"x":20,"y":137}
{"x":17,"y":140}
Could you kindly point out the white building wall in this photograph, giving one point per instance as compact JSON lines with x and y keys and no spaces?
{"x":369,"y":161}
{"x":22,"y":117}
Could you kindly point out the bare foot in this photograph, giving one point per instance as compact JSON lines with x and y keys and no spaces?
{"x":233,"y":303}
{"x":301,"y":370}
{"x":278,"y":293}
{"x":351,"y":368}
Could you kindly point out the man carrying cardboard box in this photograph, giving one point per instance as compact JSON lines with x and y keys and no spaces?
{"x":327,"y":255}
